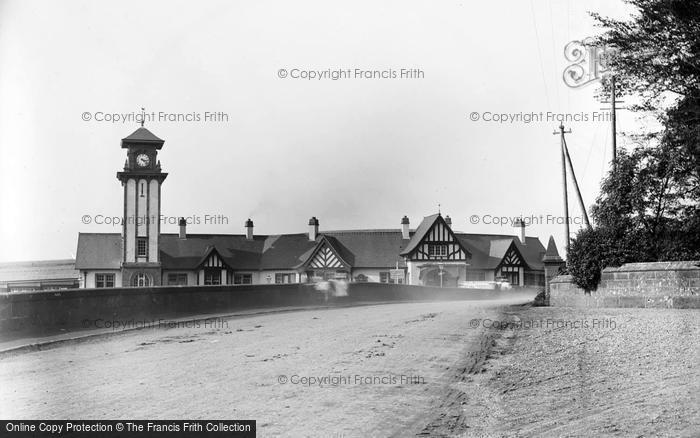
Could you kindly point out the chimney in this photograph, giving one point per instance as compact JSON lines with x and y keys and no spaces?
{"x":448,"y":220}
{"x":405,"y":231}
{"x":183,"y":228}
{"x":519,"y":222}
{"x":249,"y":229}
{"x":313,"y":228}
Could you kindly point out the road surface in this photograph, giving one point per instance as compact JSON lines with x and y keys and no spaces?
{"x":377,"y":370}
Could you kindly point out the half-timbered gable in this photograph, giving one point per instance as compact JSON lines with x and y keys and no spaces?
{"x":512,"y":258}
{"x":213,"y":270}
{"x":213,"y":260}
{"x":434,"y":255}
{"x":326,"y":261}
{"x":434,"y":240}
{"x":512,"y":265}
{"x":325,"y":258}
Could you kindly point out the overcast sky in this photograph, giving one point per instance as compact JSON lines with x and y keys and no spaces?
{"x":356,"y":153}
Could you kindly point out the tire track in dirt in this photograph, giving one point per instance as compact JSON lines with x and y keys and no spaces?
{"x":460,"y":409}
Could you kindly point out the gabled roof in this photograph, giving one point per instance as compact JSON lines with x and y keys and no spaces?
{"x":142,"y":136}
{"x":420,"y":232}
{"x":99,"y":251}
{"x":187,"y":254}
{"x":209,"y":252}
{"x":359,"y":248}
{"x":344,"y":256}
{"x":425,"y":226}
{"x":489,"y":249}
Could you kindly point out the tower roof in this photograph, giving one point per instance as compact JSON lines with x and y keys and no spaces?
{"x":142,"y":136}
{"x":552,"y":253}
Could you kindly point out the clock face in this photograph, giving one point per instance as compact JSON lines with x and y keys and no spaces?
{"x":142,"y":160}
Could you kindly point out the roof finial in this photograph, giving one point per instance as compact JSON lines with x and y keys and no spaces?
{"x":439,"y":212}
{"x":143,"y":115}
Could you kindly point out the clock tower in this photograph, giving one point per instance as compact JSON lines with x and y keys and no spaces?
{"x":141,"y":179}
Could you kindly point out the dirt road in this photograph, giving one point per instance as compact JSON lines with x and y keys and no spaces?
{"x":367,"y":371}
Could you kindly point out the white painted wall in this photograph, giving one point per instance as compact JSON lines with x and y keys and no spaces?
{"x":90,"y":277}
{"x":371,"y":274}
{"x":130,"y":218}
{"x":191,"y":277}
{"x":154,"y":219}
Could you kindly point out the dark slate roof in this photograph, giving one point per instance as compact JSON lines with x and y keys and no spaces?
{"x":371,"y":248}
{"x":286,"y":251}
{"x":488,"y":249}
{"x":99,"y":251}
{"x":38,"y":270}
{"x":235,"y":250}
{"x":532,"y":252}
{"x":142,"y":135}
{"x":359,"y":248}
{"x":423,"y":228}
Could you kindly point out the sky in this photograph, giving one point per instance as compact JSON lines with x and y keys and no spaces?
{"x":358,"y":152}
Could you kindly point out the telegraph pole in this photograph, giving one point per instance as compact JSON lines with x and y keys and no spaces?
{"x":614,"y":127}
{"x":613,"y":117}
{"x":563,"y":178}
{"x":578,"y":190}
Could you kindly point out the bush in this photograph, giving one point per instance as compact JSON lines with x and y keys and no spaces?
{"x":590,"y":252}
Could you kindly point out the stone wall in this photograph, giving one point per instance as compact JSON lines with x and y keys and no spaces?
{"x":659,"y":284}
{"x":69,"y":309}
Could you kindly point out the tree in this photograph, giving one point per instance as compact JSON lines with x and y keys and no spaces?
{"x":649,"y":206}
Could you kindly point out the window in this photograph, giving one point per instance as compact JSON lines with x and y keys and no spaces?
{"x":140,"y":280}
{"x":285,"y":278}
{"x":243,"y":279}
{"x":141,"y":247}
{"x":212,"y":277}
{"x":437,"y":250}
{"x":385,"y":277}
{"x":362,"y":278}
{"x":104,"y":280}
{"x":177,"y":279}
{"x":512,"y":274}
